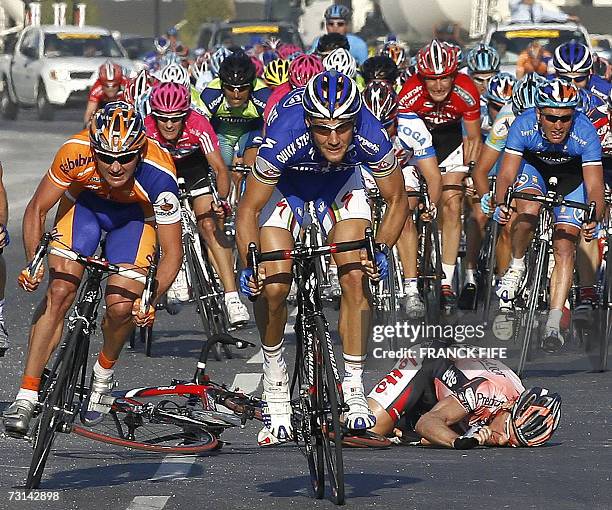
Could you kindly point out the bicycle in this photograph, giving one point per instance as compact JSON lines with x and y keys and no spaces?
{"x":532,"y":295}
{"x":180,"y":418}
{"x":486,"y":258}
{"x":59,"y":404}
{"x":605,"y":285}
{"x":316,"y":387}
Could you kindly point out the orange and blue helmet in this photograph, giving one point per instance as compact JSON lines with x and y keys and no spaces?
{"x":557,"y":93}
{"x":117,"y":128}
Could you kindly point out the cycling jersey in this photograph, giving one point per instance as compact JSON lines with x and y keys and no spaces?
{"x":97,"y":95}
{"x":277,"y":94}
{"x":498,"y":134}
{"x":357,"y":47}
{"x":416,"y":384}
{"x":566,"y":160}
{"x":599,"y":87}
{"x":414,"y":137}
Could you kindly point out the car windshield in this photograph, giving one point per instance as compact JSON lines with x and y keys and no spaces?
{"x":247,"y":35}
{"x":511,"y":43}
{"x":81,"y":45}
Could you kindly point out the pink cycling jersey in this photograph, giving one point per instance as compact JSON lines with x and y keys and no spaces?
{"x":279,"y":92}
{"x":197,"y":135}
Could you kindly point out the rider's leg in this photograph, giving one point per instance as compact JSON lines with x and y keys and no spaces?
{"x":587,"y":262}
{"x":407,"y":247}
{"x":475,"y":226}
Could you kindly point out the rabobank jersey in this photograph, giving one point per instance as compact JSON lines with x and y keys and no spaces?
{"x":414,"y":138}
{"x":288,"y":144}
{"x":566,"y":160}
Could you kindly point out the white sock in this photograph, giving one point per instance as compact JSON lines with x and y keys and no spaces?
{"x":411,"y":285}
{"x":449,"y":273}
{"x":353,"y":368}
{"x":518,"y":263}
{"x":274,"y":363}
{"x":470,"y":276}
{"x":230,"y":295}
{"x":103,"y":373}
{"x":1,"y":310}
{"x":554,"y":319}
{"x":24,"y":394}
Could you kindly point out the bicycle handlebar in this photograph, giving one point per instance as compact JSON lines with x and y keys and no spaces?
{"x":557,"y":200}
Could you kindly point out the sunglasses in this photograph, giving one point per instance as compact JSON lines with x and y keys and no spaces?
{"x":481,"y":79}
{"x":323,"y":130}
{"x":577,"y":79}
{"x":239,"y":88}
{"x":169,"y":118}
{"x":122,"y":159}
{"x":336,"y":23}
{"x":558,"y":118}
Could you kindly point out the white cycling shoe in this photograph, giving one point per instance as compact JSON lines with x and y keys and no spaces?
{"x":359,"y":415}
{"x":237,"y":312}
{"x":510,"y":283}
{"x":415,"y":308}
{"x":276,"y":413}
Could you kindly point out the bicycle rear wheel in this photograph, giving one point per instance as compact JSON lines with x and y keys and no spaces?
{"x":329,"y":400}
{"x":430,"y":271}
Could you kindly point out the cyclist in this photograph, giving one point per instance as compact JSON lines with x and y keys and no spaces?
{"x":276,"y":73}
{"x":382,"y":68}
{"x":533,"y":59}
{"x":110,"y":86}
{"x":190,"y":138}
{"x":4,"y":242}
{"x":235,"y":102}
{"x":328,"y":43}
{"x":111,"y":178}
{"x":445,"y":100}
{"x":497,"y":94}
{"x":551,"y":140}
{"x":482,"y":65}
{"x":342,"y":61}
{"x":337,"y":20}
{"x":417,"y":159}
{"x":315,"y":142}
{"x":461,"y":403}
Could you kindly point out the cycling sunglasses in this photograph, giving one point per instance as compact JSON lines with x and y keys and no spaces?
{"x":482,"y":79}
{"x":122,"y":159}
{"x":558,"y":118}
{"x":336,"y":23}
{"x":578,"y":79}
{"x":239,"y":88}
{"x":324,"y":130}
{"x":169,"y":118}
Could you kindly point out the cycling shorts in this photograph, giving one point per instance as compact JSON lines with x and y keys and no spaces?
{"x":192,"y":169}
{"x":454,"y":162}
{"x":531,"y":179}
{"x":336,"y":196}
{"x":130,"y":238}
{"x":412,"y":178}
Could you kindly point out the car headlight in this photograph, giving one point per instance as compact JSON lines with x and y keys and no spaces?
{"x":60,"y":74}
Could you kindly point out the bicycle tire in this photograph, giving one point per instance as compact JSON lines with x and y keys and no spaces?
{"x":199,"y":292}
{"x":146,"y":336}
{"x":490,"y":272}
{"x":329,"y":390}
{"x":430,"y":270}
{"x":607,"y":332}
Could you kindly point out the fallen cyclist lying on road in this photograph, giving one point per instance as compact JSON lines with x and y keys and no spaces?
{"x":461,"y":404}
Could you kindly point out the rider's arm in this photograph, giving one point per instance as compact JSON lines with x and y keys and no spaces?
{"x":430,"y":170}
{"x":510,"y":165}
{"x":594,"y":184}
{"x":473,"y":140}
{"x":215,"y":160}
{"x":3,"y":201}
{"x":92,"y":106}
{"x":435,"y":425}
{"x":486,"y":160}
{"x":392,"y":190}
{"x":169,"y":237}
{"x":45,"y":197}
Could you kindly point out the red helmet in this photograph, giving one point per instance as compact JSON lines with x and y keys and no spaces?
{"x":302,"y":68}
{"x":111,"y":75}
{"x":437,"y":59}
{"x":168,"y":97}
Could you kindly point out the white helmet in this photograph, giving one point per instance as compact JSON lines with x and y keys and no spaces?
{"x":174,"y":73}
{"x":217,"y":58}
{"x":342,"y":61}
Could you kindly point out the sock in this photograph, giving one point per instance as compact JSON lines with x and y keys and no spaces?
{"x":30,"y":395}
{"x":30,"y":383}
{"x":274,"y":363}
{"x":411,"y":285}
{"x":449,"y":273}
{"x":104,"y":367}
{"x":518,"y":263}
{"x":353,"y":368}
{"x":470,"y":276}
{"x":1,"y":310}
{"x":554,"y":319}
{"x":230,"y":295}
{"x":105,"y":362}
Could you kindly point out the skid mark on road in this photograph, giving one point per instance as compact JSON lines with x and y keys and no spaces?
{"x":148,"y":503}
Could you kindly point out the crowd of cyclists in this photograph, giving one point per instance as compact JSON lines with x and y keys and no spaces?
{"x":324,"y":127}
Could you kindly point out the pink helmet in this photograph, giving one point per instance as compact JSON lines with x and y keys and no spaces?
{"x":287,"y":51}
{"x":302,"y":68}
{"x":168,"y":97}
{"x":259,"y":67}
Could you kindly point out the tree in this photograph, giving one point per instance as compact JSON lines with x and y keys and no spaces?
{"x":202,"y":11}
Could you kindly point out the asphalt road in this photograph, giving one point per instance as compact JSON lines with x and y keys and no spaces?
{"x":572,"y":472}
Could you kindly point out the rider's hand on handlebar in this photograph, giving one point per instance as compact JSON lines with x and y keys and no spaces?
{"x":430,"y":214}
{"x":375,"y":270}
{"x":588,"y":231}
{"x":486,"y":204}
{"x":221,"y":210}
{"x":470,"y":191}
{"x":502,"y":214}
{"x":248,"y":285}
{"x":31,"y":283}
{"x":5,"y":240}
{"x":143,"y":319}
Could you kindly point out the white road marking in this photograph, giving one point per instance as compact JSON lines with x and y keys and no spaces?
{"x":256,"y":358}
{"x":148,"y":503}
{"x":247,"y":383}
{"x":173,"y":467}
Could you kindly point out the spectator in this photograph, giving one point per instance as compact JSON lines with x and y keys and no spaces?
{"x":529,"y":10}
{"x":533,"y":59}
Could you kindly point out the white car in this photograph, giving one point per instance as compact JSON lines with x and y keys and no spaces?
{"x":54,"y":66}
{"x":510,"y":40}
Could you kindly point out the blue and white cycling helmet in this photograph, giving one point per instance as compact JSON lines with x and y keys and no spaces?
{"x":217,"y":58}
{"x":331,"y":95}
{"x":572,"y":57}
{"x":557,"y":93}
{"x":500,"y":87}
{"x":337,"y":12}
{"x":483,"y":59}
{"x":524,"y":92}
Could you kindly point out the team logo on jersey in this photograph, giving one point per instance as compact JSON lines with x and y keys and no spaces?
{"x":369,"y":147}
{"x":293,"y":100}
{"x":500,"y":129}
{"x":465,"y":95}
{"x":80,"y":160}
{"x":415,"y":135}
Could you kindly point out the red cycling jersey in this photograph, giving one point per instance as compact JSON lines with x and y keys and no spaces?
{"x":463,"y":102}
{"x":197,"y":136}
{"x":277,"y":94}
{"x":97,"y":95}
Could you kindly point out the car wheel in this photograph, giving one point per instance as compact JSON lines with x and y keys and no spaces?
{"x":8,"y":109}
{"x":46,"y":111}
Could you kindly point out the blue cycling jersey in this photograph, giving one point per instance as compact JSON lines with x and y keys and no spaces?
{"x":357,"y":47}
{"x":288,"y":144}
{"x":599,"y":87}
{"x":565,"y":160}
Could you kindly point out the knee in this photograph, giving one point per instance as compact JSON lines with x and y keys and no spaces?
{"x":452,"y":206}
{"x":118,"y":311}
{"x":60,"y":295}
{"x":276,"y":295}
{"x":208,"y":228}
{"x":352,"y":283}
{"x":564,"y":250}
